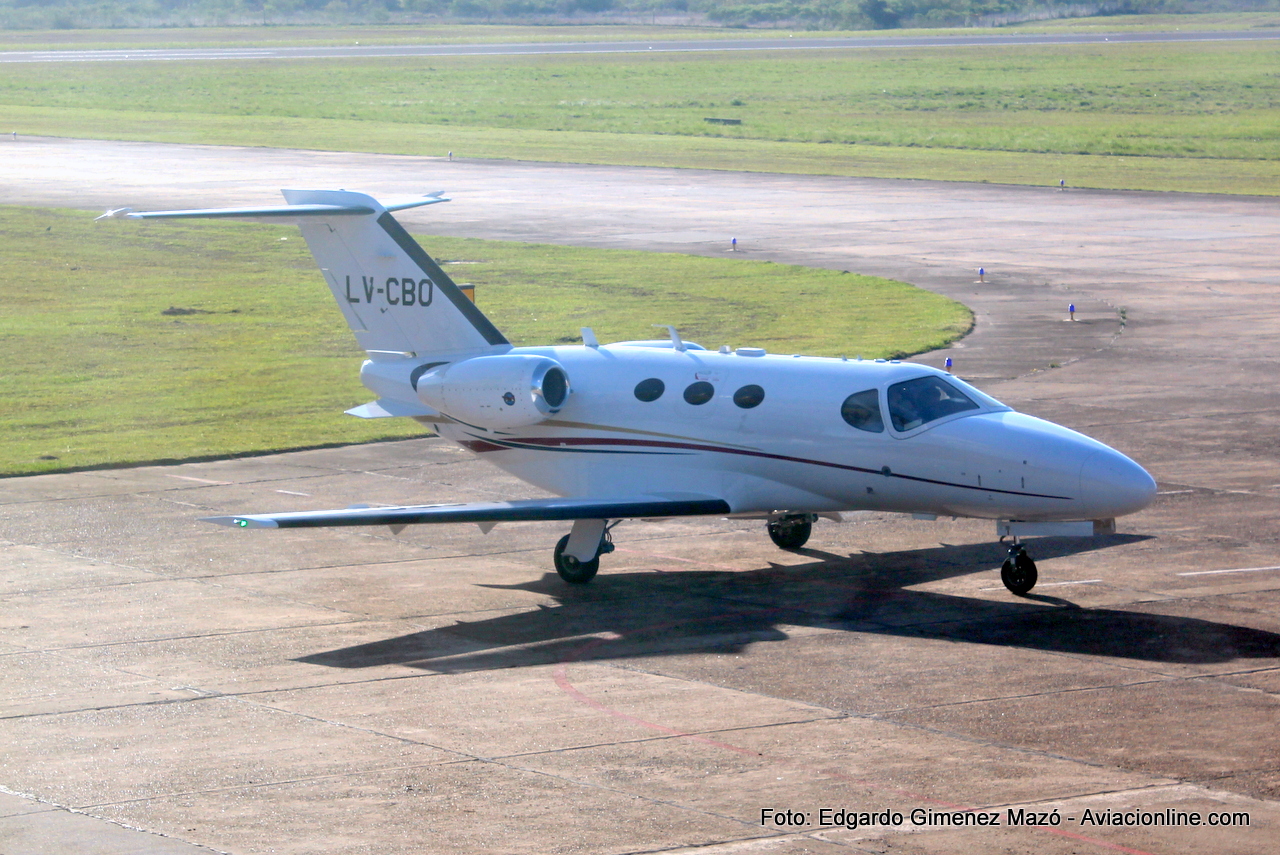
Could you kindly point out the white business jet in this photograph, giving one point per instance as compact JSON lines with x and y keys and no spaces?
{"x":659,"y":429}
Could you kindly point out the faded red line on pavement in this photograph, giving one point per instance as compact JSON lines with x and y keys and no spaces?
{"x":562,"y":680}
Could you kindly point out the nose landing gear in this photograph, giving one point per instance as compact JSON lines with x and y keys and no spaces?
{"x":1018,"y":571}
{"x":791,"y":532}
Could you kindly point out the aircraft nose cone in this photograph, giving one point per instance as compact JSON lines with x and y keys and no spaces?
{"x":1112,"y":485}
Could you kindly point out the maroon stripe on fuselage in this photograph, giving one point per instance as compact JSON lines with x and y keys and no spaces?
{"x":569,"y":443}
{"x":479,"y":446}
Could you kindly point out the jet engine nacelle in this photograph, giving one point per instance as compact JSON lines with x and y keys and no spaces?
{"x":505,"y":391}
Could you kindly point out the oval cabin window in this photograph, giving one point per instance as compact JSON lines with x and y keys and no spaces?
{"x":699,"y":393}
{"x":748,"y":396}
{"x":650,"y":390}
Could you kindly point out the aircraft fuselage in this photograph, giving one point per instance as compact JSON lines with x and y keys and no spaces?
{"x":767,"y":433}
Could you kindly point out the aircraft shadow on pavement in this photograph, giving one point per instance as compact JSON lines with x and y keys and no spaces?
{"x":632,"y":614}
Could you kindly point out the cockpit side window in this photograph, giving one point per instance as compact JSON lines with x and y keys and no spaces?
{"x":862,"y":410}
{"x":925,"y":399}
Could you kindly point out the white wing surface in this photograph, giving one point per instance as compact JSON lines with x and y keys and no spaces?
{"x":489,"y":512}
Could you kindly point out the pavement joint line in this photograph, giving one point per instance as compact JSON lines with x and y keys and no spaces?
{"x":1244,"y":672}
{"x":717,"y":844}
{"x":215,"y":581}
{"x":247,"y":701}
{"x":671,"y":803}
{"x":1162,"y":678}
{"x":107,"y":562}
{"x":119,"y":670}
{"x":108,"y":707}
{"x":1166,"y":784}
{"x":208,"y":694}
{"x":283,"y":782}
{"x":883,"y":716}
{"x":161,"y":576}
{"x":1003,"y":746}
{"x":55,"y":806}
{"x":564,"y":683}
{"x":463,"y":758}
{"x":101,"y":586}
{"x":667,"y":737}
{"x":315,"y":567}
{"x":167,"y":638}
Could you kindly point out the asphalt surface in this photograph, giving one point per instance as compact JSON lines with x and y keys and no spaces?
{"x":170,"y":687}
{"x":358,"y":51}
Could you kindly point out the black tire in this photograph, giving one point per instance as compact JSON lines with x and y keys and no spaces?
{"x":1019,"y":573}
{"x":572,"y":570}
{"x":790,"y":533}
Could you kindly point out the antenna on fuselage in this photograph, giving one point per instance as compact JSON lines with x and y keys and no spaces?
{"x":676,"y":341}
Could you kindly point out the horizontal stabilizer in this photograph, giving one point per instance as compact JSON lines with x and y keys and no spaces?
{"x":397,"y":300}
{"x":527,"y":510}
{"x":271,"y":212}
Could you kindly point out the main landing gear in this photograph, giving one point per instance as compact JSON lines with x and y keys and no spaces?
{"x":788,"y":531}
{"x":576,"y":571}
{"x":1018,"y":571}
{"x":791,"y":531}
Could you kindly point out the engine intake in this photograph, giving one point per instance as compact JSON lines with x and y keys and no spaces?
{"x":512,"y":390}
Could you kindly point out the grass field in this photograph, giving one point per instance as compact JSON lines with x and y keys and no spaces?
{"x":132,"y":342}
{"x":1164,"y":117}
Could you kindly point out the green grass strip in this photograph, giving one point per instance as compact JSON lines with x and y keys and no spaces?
{"x":1180,"y":117}
{"x":1114,"y":172}
{"x":129,"y":342}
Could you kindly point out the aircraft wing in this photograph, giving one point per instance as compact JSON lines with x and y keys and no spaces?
{"x":489,"y":512}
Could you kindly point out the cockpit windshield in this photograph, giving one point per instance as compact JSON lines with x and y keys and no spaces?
{"x":913,"y":403}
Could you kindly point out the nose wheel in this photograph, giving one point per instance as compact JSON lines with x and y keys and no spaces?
{"x":1018,"y":571}
{"x":791,"y":532}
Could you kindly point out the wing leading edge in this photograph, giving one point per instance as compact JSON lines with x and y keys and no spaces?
{"x":528,"y":510}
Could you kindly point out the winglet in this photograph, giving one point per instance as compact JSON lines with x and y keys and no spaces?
{"x":428,"y":199}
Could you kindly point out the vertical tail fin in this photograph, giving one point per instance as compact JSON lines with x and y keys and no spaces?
{"x":395,"y":298}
